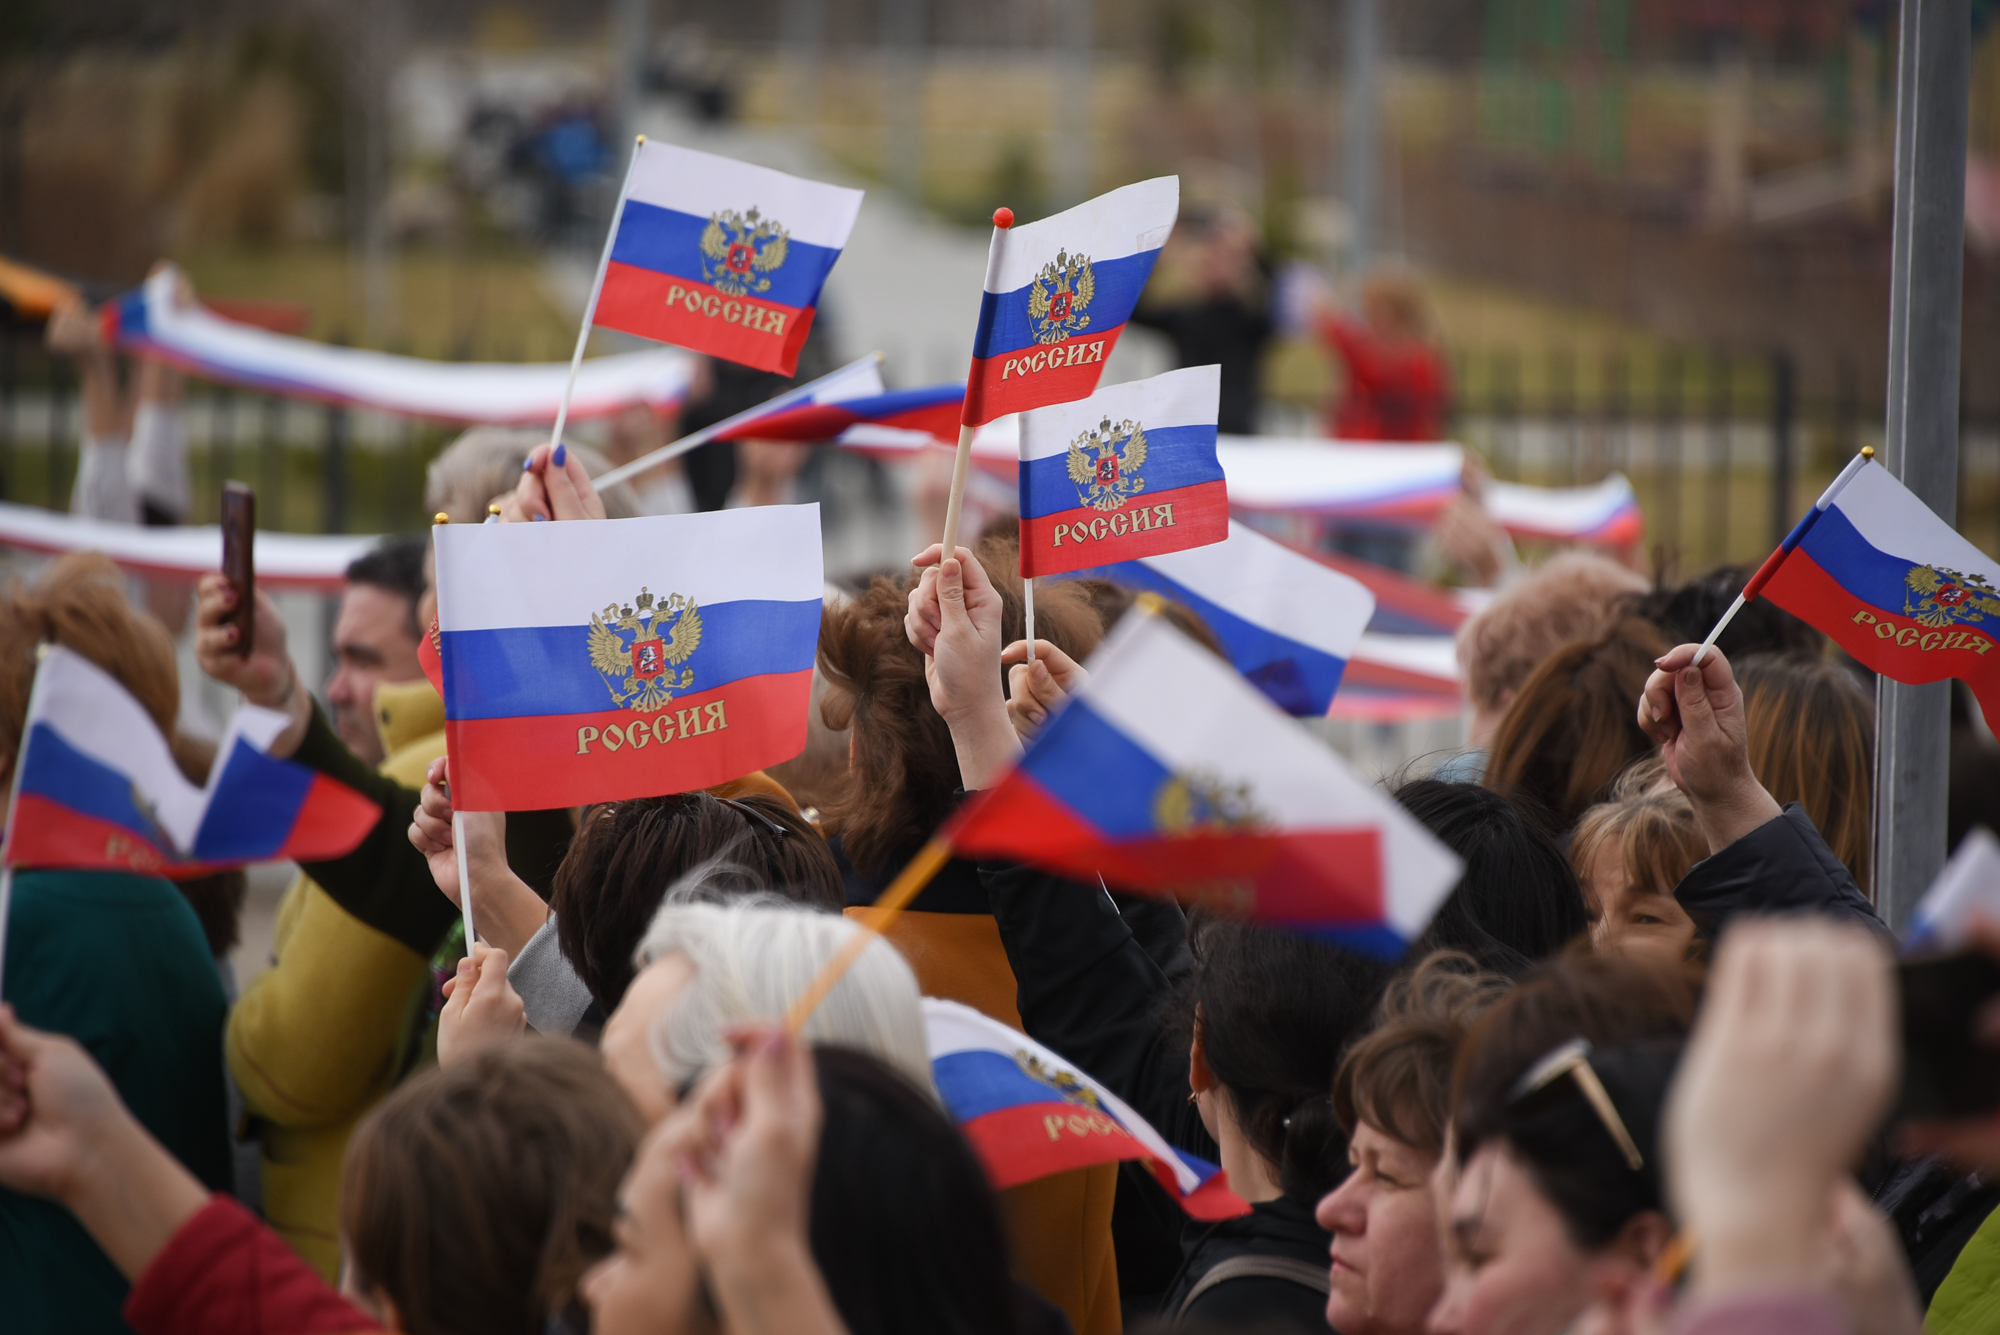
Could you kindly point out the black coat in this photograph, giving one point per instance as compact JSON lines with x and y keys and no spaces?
{"x":1782,"y":866}
{"x":1090,"y":990}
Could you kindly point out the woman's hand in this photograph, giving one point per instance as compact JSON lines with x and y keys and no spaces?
{"x":506,"y":910}
{"x":1696,"y":715}
{"x":954,"y":618}
{"x":268,"y":677}
{"x":481,"y":1009}
{"x":1787,"y":1073}
{"x":554,"y":485}
{"x":1036,"y":690}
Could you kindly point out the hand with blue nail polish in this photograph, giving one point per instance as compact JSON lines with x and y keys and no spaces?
{"x":554,"y":485}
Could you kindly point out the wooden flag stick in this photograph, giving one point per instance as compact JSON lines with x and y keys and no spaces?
{"x":1002,"y":220}
{"x":590,"y":309}
{"x":913,"y":878}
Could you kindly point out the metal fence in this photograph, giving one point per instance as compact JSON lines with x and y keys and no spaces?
{"x":1724,"y":452}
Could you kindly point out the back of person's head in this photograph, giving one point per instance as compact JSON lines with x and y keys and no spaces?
{"x":1574,"y":725}
{"x":751,"y":958}
{"x":905,"y":768}
{"x":475,"y":1196}
{"x":1113,"y":600}
{"x":1634,"y":1013}
{"x":1812,"y":741}
{"x":1571,"y":596}
{"x":1273,"y":1011}
{"x":395,"y":565}
{"x":80,"y":603}
{"x":1685,"y":613}
{"x":904,"y":1227}
{"x":1518,"y":900}
{"x":1397,"y":1076}
{"x":625,"y":854}
{"x":486,"y":461}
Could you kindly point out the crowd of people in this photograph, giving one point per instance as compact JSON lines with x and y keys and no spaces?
{"x":1637,"y":1071}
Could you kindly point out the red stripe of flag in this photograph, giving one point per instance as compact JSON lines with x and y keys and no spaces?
{"x":763,"y":334}
{"x":1035,"y":376}
{"x":1084,"y":537}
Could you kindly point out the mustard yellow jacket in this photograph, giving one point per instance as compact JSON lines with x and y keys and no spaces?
{"x":318,"y":1038}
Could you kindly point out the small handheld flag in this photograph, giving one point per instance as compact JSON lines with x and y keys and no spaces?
{"x":1129,"y":472}
{"x":1889,"y":582}
{"x":625,"y":657}
{"x":1167,"y":771}
{"x":932,"y":410}
{"x":97,"y":788}
{"x":1288,"y":623}
{"x":1028,"y":1113}
{"x":721,"y":256}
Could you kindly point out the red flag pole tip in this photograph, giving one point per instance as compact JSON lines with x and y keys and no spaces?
{"x":1003,"y":217}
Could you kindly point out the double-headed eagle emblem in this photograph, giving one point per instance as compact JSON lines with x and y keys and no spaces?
{"x":1938,"y":597}
{"x":1200,"y":802}
{"x":1059,"y":296}
{"x":1104,"y":464}
{"x":740,"y":251}
{"x":636,"y":661}
{"x":1064,"y":1083}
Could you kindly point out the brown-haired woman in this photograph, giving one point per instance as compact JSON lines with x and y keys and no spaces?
{"x":1629,"y":855}
{"x":475,"y":1197}
{"x":1812,"y":741}
{"x":1570,"y":730}
{"x":902,"y":784}
{"x":117,"y":960}
{"x":1392,"y":1094}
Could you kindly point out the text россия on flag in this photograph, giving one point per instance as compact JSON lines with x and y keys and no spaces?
{"x":1128,"y":472}
{"x":1058,"y":294}
{"x":721,"y":256}
{"x":588,"y":662}
{"x":1167,"y":771}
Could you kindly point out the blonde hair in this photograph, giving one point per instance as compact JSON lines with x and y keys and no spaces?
{"x":1812,"y":741}
{"x":1656,"y":833}
{"x":486,"y":461}
{"x":752,"y":958}
{"x":1571,"y":596}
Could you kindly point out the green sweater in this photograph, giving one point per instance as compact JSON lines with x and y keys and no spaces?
{"x":118,"y":962}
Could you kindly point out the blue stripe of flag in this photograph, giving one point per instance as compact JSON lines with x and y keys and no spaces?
{"x":1863,"y":569}
{"x":1176,"y":456}
{"x":1004,"y":326}
{"x":1096,"y":771}
{"x":669,"y":242}
{"x":254,"y":805}
{"x":528,"y":671}
{"x":974,"y":1083}
{"x":62,"y":774}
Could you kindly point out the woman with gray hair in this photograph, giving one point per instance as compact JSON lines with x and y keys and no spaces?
{"x":484,"y":464}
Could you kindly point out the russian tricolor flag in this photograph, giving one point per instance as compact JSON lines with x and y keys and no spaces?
{"x":1058,"y":294}
{"x":1288,"y":623}
{"x":1167,"y":771}
{"x":586,"y":662}
{"x":722,"y":257}
{"x":1029,"y":1114}
{"x":932,"y":411}
{"x":1126,"y":473}
{"x":1891,"y":583}
{"x":98,"y":788}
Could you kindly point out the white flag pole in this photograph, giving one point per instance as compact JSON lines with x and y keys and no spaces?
{"x":1002,"y":220}
{"x":590,"y":309}
{"x":13,"y":803}
{"x":1028,"y":592}
{"x":675,"y":450}
{"x":438,"y":521}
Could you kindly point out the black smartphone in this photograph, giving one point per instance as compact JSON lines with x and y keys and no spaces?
{"x":1947,"y":1070}
{"x":239,"y":566}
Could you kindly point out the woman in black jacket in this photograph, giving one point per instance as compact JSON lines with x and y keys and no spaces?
{"x":1246,"y":1074}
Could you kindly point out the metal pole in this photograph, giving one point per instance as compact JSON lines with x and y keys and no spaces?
{"x":629,"y":49}
{"x":1358,"y":129}
{"x":903,"y":96}
{"x":1073,"y":122}
{"x":1784,"y":412}
{"x":1920,"y":440}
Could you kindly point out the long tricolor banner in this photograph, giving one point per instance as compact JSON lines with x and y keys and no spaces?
{"x":1167,"y":771}
{"x":1335,"y":478}
{"x":1288,"y":623}
{"x":584,"y":662}
{"x":722,"y":256}
{"x":98,"y":787}
{"x":1128,"y":472}
{"x":1058,"y":293}
{"x":284,"y":560}
{"x":1891,"y":583}
{"x":155,"y":322}
{"x":1606,"y":514}
{"x":1028,"y":1113}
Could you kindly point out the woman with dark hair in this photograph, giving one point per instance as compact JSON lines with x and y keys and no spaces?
{"x":1570,"y":730}
{"x":1264,"y":1015}
{"x":1518,"y":901}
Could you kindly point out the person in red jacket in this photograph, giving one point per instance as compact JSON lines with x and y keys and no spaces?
{"x":1398,"y":387}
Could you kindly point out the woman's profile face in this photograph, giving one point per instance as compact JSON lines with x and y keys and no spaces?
{"x":1510,"y":1265}
{"x":1633,"y":918}
{"x":650,"y":1284}
{"x":1386,"y":1270}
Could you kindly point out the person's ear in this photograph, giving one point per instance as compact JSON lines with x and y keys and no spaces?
{"x":1627,"y":1263}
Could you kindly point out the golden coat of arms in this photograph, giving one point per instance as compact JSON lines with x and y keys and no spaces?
{"x":636,"y":649}
{"x":1201,"y":802}
{"x":1059,"y":296}
{"x":740,"y":250}
{"x":1938,"y":597}
{"x":1064,"y":1083}
{"x":1104,"y":464}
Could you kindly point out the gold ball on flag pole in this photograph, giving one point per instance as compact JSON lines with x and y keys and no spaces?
{"x":1868,"y":451}
{"x":440,"y":518}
